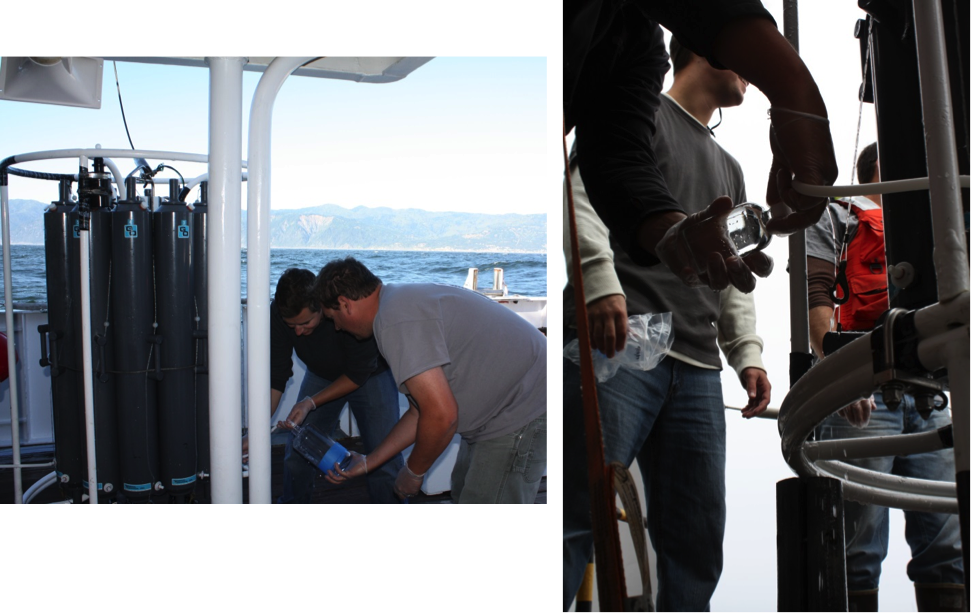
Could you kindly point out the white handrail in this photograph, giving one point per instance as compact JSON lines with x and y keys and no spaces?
{"x":258,"y":275}
{"x":865,"y":189}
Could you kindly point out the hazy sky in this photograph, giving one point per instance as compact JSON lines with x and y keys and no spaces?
{"x":755,"y":461}
{"x":434,"y":140}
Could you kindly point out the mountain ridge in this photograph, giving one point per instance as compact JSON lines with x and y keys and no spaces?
{"x":330,"y":226}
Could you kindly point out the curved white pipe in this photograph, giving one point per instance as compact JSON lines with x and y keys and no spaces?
{"x":194,"y":182}
{"x":873,"y":446}
{"x":843,"y":377}
{"x":116,"y":173}
{"x":882,"y":187}
{"x":870,"y":487}
{"x":891,"y":483}
{"x":258,"y":275}
{"x":56,"y":154}
{"x":42,"y":484}
{"x":847,"y":375}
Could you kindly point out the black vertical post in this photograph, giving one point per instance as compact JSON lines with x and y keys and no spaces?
{"x":900,"y":137}
{"x":811,"y":556}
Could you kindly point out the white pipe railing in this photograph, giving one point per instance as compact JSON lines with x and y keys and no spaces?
{"x":225,"y":335}
{"x":878,"y":488}
{"x":873,"y":446}
{"x":846,"y":376}
{"x":865,"y":189}
{"x":258,"y":275}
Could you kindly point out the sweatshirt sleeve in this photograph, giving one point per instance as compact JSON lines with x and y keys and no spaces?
{"x":736,"y":330}
{"x":596,"y":256}
{"x":281,"y":351}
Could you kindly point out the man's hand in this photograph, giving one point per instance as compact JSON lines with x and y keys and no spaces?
{"x":756,"y":384}
{"x":297,"y":414}
{"x":607,"y":319}
{"x":357,"y":468}
{"x":407,"y":484}
{"x":802,"y":149}
{"x":858,"y":413}
{"x":699,"y":251}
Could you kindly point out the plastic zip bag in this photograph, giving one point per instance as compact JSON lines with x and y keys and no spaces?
{"x":649,"y":338}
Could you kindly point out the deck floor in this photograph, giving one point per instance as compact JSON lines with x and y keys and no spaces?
{"x":353,"y":492}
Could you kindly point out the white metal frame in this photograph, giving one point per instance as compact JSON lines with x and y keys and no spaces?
{"x":943,"y":330}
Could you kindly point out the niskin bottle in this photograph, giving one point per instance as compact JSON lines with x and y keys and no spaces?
{"x":320,"y":449}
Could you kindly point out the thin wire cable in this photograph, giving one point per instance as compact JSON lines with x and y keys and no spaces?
{"x":859,"y":116}
{"x":122,"y":105}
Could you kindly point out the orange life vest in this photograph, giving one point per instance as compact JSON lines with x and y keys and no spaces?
{"x":865,"y":269}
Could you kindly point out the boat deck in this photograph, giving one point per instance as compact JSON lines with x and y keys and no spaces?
{"x":354,"y":492}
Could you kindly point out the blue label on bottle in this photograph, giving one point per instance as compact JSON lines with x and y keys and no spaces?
{"x":84,"y":484}
{"x":77,"y":229}
{"x":131,"y":230}
{"x":141,"y":487}
{"x":335,"y":454}
{"x":183,"y":229}
{"x":184,"y":480}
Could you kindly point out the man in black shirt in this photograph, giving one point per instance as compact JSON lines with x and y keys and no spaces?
{"x":339,"y":369}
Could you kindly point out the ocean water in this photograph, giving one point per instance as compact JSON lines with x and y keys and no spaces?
{"x":525,"y":273}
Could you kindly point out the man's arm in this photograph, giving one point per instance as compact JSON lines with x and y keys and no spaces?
{"x":821,"y":276}
{"x":438,"y":417}
{"x":743,"y":348}
{"x":802,"y":147}
{"x":339,"y":388}
{"x":606,"y":301}
{"x":820,"y":322}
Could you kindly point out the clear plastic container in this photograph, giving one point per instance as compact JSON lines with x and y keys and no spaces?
{"x":320,"y":449}
{"x":744,"y":225}
{"x":649,"y":338}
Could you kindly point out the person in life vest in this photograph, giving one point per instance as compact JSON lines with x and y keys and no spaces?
{"x":848,"y":291}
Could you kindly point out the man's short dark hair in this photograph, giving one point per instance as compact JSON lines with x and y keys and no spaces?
{"x":294,"y":292}
{"x":866,"y":164}
{"x":680,"y":56}
{"x":348,"y":278}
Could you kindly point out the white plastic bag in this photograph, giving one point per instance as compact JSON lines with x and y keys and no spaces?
{"x":649,"y":338}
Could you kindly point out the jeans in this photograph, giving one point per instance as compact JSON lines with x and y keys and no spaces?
{"x":503,"y":470}
{"x":672,"y":419}
{"x":375,"y":407}
{"x":934,"y":538}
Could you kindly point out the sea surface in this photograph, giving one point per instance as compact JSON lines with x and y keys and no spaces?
{"x":525,"y":273}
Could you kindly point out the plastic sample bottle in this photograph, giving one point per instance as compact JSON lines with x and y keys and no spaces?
{"x":320,"y":449}
{"x":744,"y":226}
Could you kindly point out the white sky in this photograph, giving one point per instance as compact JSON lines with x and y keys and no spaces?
{"x":755,"y":461}
{"x":433,"y":140}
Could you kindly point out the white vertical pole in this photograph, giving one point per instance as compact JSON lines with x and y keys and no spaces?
{"x":88,"y":368}
{"x":950,"y":254}
{"x":225,"y":177}
{"x":258,"y":275}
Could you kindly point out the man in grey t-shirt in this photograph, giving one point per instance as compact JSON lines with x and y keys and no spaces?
{"x":468,"y":366}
